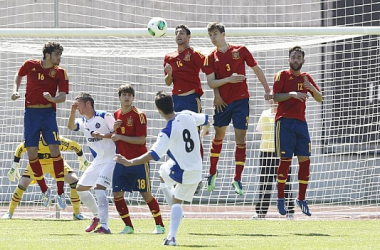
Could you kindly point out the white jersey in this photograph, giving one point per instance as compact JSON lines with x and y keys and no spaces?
{"x":102,"y":122}
{"x":180,"y":140}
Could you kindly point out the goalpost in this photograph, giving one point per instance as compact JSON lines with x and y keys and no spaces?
{"x":344,"y":129}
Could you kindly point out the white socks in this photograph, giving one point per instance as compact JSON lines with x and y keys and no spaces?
{"x":103,"y":207}
{"x":167,"y":194}
{"x":89,"y":201}
{"x":175,"y":220}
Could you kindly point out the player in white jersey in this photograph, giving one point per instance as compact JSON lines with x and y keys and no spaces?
{"x":97,"y":127}
{"x":180,"y":140}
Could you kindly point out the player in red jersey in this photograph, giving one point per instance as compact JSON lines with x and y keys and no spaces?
{"x":290,"y":90}
{"x":44,"y":79}
{"x":182,"y":68}
{"x":225,"y":70}
{"x":130,"y":137}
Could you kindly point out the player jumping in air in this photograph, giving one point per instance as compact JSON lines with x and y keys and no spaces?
{"x":225,"y":70}
{"x":44,"y":78}
{"x":182,"y":68}
{"x":290,"y":90}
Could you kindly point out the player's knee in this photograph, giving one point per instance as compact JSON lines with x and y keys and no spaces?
{"x":74,"y":185}
{"x":71,"y":178}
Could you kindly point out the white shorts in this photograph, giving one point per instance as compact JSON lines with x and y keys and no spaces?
{"x":98,"y":173}
{"x":183,"y":192}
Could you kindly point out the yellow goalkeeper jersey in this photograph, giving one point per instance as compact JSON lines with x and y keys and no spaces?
{"x":44,"y":151}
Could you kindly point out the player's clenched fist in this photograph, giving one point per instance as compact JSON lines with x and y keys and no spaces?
{"x":15,"y":96}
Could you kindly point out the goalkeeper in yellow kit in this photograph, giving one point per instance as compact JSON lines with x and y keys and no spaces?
{"x":47,"y":167}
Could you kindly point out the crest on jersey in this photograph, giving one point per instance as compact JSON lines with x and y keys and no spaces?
{"x":130,"y":121}
{"x":235,"y":55}
{"x":290,"y":78}
{"x":52,"y":73}
{"x":97,"y":125}
{"x":187,"y":57}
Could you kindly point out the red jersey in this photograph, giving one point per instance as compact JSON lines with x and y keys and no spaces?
{"x":40,"y":80}
{"x":227,"y":63}
{"x":284,"y":82}
{"x":186,"y":66}
{"x":133,"y":124}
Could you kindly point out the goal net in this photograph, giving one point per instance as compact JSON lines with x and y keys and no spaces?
{"x":344,"y":128}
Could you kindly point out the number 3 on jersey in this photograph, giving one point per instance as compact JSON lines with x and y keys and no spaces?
{"x":189,"y":143}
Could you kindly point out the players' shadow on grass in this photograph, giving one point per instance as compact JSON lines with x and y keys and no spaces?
{"x":64,"y":235}
{"x":197,"y":246}
{"x":234,"y":235}
{"x":313,"y":235}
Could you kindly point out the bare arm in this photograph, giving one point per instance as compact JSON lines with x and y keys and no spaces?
{"x":61,"y":97}
{"x":215,"y":83}
{"x":136,"y":161}
{"x":139,"y":140}
{"x":261,"y":76}
{"x":280,"y":97}
{"x":218,"y":101}
{"x":71,"y":121}
{"x":16,"y":86}
{"x":169,"y":77}
{"x":205,"y":129}
{"x":317,"y":95}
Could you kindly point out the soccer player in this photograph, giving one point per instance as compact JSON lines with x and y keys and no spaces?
{"x":47,"y":167}
{"x":269,"y":163}
{"x":225,"y":70}
{"x":97,"y":127}
{"x":182,"y":69}
{"x":130,"y":137}
{"x":44,"y":79}
{"x":290,"y":90}
{"x":180,"y":140}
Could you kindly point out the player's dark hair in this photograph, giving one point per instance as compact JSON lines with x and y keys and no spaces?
{"x":215,"y":25}
{"x":85,"y":97}
{"x":164,"y":102}
{"x":50,"y":47}
{"x":298,"y":49}
{"x":182,"y":26}
{"x":126,"y":89}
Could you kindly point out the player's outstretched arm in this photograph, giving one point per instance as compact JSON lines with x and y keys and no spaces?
{"x":136,"y":161}
{"x":205,"y":129}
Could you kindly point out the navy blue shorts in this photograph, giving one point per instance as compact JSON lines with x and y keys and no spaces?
{"x":189,"y":102}
{"x":292,"y":137}
{"x":38,"y":120}
{"x":128,"y":179}
{"x":237,"y":111}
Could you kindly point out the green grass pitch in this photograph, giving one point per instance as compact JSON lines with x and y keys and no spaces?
{"x":195,"y":234}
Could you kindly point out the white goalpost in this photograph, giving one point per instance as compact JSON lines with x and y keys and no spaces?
{"x":344,"y":129}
